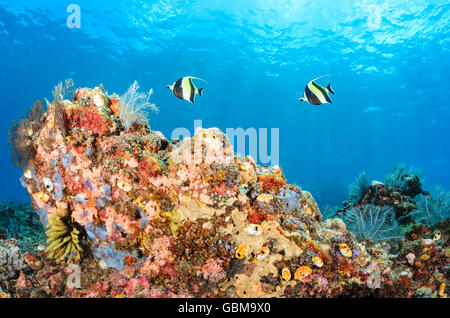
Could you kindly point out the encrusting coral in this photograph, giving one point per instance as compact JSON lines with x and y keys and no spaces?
{"x":160,"y":218}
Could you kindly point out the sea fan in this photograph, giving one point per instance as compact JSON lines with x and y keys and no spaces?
{"x":376,"y":223}
{"x":359,"y":188}
{"x":135,"y":106}
{"x":432,"y":209}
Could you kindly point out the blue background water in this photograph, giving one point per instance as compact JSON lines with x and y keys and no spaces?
{"x":388,"y":60}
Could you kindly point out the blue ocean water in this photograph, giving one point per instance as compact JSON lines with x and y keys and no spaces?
{"x":388,"y":63}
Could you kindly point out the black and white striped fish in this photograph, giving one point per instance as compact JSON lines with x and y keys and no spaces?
{"x":185,"y":89}
{"x":316,"y":94}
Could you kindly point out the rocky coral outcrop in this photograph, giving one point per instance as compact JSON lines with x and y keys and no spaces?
{"x":149,"y":217}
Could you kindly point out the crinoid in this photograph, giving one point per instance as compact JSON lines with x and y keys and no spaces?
{"x":359,"y":188}
{"x":376,"y":223}
{"x":64,"y":238}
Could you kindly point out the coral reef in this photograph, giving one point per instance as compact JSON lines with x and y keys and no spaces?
{"x":407,"y":181}
{"x":158,"y":218}
{"x":434,"y":208}
{"x":398,"y":192}
{"x":20,"y":222}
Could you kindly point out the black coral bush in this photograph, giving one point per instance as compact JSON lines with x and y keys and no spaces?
{"x":21,"y":135}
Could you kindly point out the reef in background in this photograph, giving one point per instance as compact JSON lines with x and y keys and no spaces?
{"x":143,"y":216}
{"x":20,"y":222}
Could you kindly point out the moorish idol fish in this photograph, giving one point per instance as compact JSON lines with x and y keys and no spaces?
{"x":185,"y":89}
{"x":316,"y":94}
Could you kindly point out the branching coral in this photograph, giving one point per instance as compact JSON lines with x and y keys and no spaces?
{"x":64,"y":239}
{"x":358,"y":188}
{"x":434,"y":208}
{"x":376,"y":223}
{"x":21,"y":135}
{"x":134,"y":106}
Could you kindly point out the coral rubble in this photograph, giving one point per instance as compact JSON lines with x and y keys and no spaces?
{"x":143,"y":216}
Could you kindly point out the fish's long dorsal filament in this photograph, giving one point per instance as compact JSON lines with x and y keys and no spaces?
{"x":197,"y":79}
{"x":320,"y":77}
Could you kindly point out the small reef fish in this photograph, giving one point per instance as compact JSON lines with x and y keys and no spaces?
{"x":262,"y":253}
{"x":317,"y":261}
{"x":437,"y":235}
{"x":345,"y":250}
{"x":253,"y":229}
{"x":241,"y":250}
{"x":316,"y":94}
{"x":302,"y":272}
{"x":185,"y":89}
{"x":285,"y":274}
